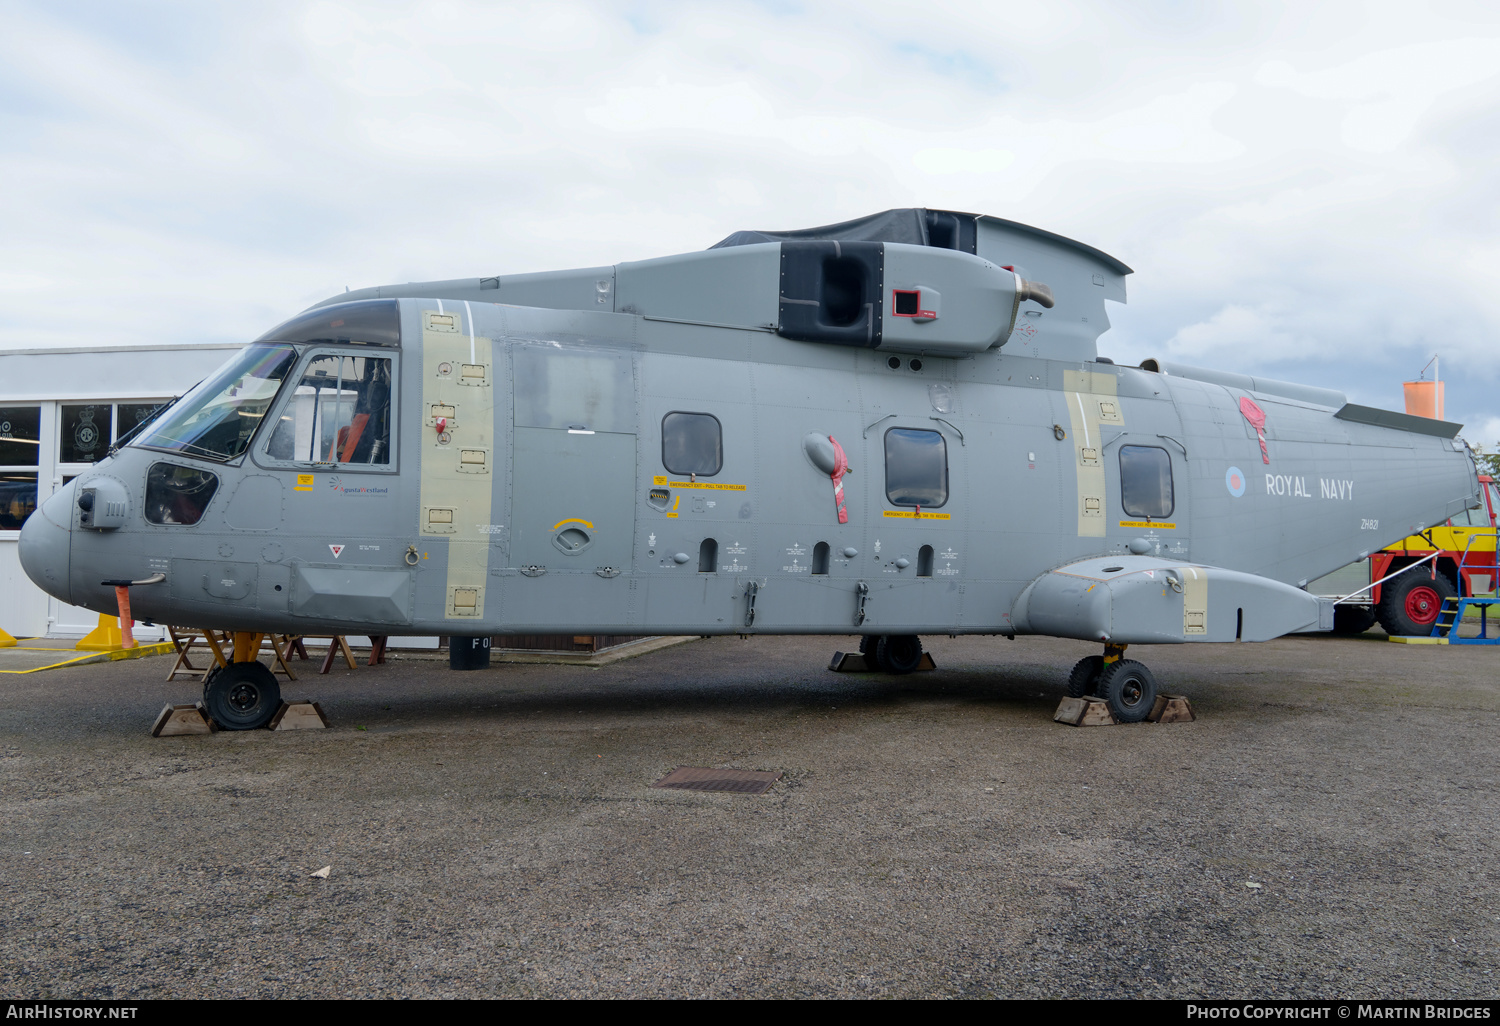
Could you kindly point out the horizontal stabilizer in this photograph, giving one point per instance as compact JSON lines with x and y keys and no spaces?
{"x":1143,"y":600}
{"x":1399,"y":421}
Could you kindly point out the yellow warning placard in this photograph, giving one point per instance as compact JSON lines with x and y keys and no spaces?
{"x":1148,"y":523}
{"x":904,"y":514}
{"x":707,"y":486}
{"x":304,"y":483}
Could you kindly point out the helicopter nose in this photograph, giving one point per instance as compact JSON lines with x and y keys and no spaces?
{"x":45,"y":543}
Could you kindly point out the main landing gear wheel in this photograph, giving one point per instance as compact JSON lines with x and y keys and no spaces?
{"x":898,"y":653}
{"x":242,"y":696}
{"x":1130,"y":690}
{"x":869,"y":647}
{"x":1410,"y":604}
{"x":1084,"y":680}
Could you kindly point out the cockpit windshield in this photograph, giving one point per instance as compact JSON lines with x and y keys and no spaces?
{"x":217,"y":419}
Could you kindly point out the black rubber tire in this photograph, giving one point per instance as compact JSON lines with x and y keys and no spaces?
{"x":242,"y":696}
{"x":869,"y":647}
{"x":1351,"y":620}
{"x":899,"y":653}
{"x":1400,"y":597}
{"x":1084,"y":680}
{"x":1129,"y":688}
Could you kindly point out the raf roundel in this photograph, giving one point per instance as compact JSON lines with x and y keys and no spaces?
{"x":1234,"y":480}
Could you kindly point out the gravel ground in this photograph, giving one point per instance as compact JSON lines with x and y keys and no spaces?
{"x":494,"y":833}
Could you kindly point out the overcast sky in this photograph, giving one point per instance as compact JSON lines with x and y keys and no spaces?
{"x":1307,"y":191}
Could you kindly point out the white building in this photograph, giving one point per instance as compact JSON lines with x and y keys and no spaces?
{"x":61,"y":410}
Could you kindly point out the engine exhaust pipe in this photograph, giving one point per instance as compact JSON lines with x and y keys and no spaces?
{"x":1033,"y":290}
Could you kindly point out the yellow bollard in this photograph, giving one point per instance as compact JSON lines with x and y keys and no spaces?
{"x":6,"y":641}
{"x":104,"y":638}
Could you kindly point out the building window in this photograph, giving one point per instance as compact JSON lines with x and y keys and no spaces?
{"x":17,"y":498}
{"x":340,"y":412}
{"x":129,"y":416}
{"x":20,"y":455}
{"x":1146,"y":481}
{"x":692,"y":443}
{"x":916,"y":467}
{"x":86,"y":432}
{"x":20,"y":435}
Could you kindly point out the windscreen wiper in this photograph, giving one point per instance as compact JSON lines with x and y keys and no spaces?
{"x":146,"y":422}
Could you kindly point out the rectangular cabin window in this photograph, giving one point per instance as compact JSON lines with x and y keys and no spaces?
{"x":339,"y":412}
{"x":1146,"y":481}
{"x":916,"y":467}
{"x":692,"y":443}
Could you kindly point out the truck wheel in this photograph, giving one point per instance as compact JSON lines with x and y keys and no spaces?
{"x":1352,"y":620}
{"x":1410,"y":604}
{"x":242,"y":696}
{"x":1130,"y":690}
{"x":899,"y":653}
{"x":1085,"y":676}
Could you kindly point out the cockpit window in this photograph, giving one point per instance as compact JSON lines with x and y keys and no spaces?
{"x":217,"y":419}
{"x":178,"y":495}
{"x":340,"y":412}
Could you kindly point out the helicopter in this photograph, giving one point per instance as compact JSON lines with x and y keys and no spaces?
{"x":893,"y":427}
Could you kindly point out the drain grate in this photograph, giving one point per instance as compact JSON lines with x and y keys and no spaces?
{"x":699,"y":778}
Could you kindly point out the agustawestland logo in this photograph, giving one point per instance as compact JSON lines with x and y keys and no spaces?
{"x":337,"y":484}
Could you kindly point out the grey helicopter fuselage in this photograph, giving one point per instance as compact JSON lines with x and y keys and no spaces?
{"x":654,"y":448}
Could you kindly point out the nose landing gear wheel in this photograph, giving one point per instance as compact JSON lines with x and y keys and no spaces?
{"x":1084,"y":680}
{"x":242,"y":696}
{"x":1130,"y":690}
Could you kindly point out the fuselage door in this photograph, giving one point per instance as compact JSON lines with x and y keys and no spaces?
{"x":573,"y":493}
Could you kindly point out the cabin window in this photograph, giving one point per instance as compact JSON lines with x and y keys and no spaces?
{"x":916,"y":467}
{"x":340,"y":412}
{"x":692,"y":443}
{"x":178,"y":495}
{"x":1146,"y":481}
